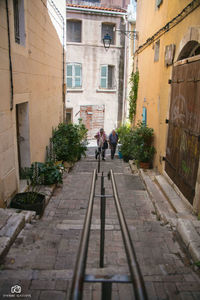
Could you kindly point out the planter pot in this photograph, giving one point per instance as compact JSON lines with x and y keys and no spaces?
{"x":22,"y":201}
{"x":120,"y":154}
{"x":144,"y":165}
{"x":68,"y":164}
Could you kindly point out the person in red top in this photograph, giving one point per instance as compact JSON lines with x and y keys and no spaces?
{"x":101,"y":143}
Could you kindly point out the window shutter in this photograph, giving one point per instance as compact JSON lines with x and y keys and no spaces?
{"x":104,"y":72}
{"x":110,"y":76}
{"x":77,"y":70}
{"x":77,"y":75}
{"x":69,"y":70}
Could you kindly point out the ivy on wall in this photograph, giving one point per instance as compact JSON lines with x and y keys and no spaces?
{"x":134,"y":80}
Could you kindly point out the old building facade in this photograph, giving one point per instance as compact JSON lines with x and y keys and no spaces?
{"x":168,"y":57}
{"x":94,"y":76}
{"x":32,"y":48}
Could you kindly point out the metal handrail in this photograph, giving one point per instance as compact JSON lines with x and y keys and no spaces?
{"x":78,"y":278}
{"x":138,"y":283}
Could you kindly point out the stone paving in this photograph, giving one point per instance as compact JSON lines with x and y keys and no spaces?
{"x":42,"y":259}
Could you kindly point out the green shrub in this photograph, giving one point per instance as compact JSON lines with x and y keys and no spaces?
{"x":136,"y":143}
{"x":69,"y":141}
{"x":143,"y":150}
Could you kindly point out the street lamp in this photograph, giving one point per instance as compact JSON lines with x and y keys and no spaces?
{"x":107,"y":41}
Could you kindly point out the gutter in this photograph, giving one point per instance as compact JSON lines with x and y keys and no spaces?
{"x":96,"y":11}
{"x":10,"y":59}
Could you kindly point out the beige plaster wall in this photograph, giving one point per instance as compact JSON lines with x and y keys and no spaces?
{"x":37,"y":79}
{"x":91,"y":54}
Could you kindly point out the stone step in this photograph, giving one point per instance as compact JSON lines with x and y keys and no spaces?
{"x":163,"y":209}
{"x":12,"y":222}
{"x":179,"y":206}
{"x":172,"y":209}
{"x":190,"y":237}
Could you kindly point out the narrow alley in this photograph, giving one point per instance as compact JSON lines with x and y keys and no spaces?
{"x":42,"y":259}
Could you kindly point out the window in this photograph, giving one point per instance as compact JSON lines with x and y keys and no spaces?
{"x":19,"y":21}
{"x":74,"y":73}
{"x":158,"y":3}
{"x":107,"y":75}
{"x":108,"y":28}
{"x":144,"y":115}
{"x":74,"y":31}
{"x":157,"y":50}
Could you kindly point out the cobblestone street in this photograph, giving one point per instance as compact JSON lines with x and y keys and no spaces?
{"x":42,"y":258}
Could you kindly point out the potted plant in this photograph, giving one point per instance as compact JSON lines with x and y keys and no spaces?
{"x":143,"y":150}
{"x":31,"y":199}
{"x":125,"y":147}
{"x":69,"y":142}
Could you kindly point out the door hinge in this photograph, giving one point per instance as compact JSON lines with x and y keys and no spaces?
{"x":169,"y":81}
{"x":166,"y":121}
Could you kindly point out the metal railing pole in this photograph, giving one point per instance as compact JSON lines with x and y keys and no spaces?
{"x":106,"y":291}
{"x":79,"y":273}
{"x":99,"y":159}
{"x":138,"y":282}
{"x":102,"y":218}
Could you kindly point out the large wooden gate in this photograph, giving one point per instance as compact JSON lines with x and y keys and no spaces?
{"x":93,"y":118}
{"x":183,"y":144}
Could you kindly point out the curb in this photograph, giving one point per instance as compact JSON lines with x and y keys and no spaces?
{"x":171,"y":209}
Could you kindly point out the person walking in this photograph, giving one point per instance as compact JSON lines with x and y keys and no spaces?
{"x":101,"y":143}
{"x":113,"y":140}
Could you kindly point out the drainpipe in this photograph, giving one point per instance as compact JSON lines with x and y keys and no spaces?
{"x":125,"y":75}
{"x":10,"y":59}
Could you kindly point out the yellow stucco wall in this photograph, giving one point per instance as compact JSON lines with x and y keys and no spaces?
{"x":154,"y":90}
{"x":37,"y":80}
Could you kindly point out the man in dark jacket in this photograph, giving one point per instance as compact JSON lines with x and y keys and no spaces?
{"x":113,"y":140}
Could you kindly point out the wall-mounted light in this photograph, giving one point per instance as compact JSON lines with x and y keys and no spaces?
{"x":107,"y":41}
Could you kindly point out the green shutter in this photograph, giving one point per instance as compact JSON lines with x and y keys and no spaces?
{"x":69,"y":82}
{"x":77,"y":82}
{"x":77,"y":70}
{"x":69,"y":70}
{"x":103,"y":83}
{"x":103,"y":71}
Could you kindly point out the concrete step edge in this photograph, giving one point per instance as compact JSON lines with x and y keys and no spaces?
{"x":158,"y":198}
{"x":9,"y":232}
{"x":172,"y":196}
{"x":190,"y":238}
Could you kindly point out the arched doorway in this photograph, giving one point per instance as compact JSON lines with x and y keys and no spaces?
{"x":183,"y":143}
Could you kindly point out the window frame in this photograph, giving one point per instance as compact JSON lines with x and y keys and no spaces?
{"x":74,"y":76}
{"x":74,"y":21}
{"x":112,"y":68}
{"x":113,"y":41}
{"x":19,"y":22}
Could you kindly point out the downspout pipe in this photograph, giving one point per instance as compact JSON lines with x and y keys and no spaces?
{"x":10,"y":59}
{"x":125,"y":76}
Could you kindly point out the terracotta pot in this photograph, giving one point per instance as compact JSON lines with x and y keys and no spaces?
{"x":145,"y":165}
